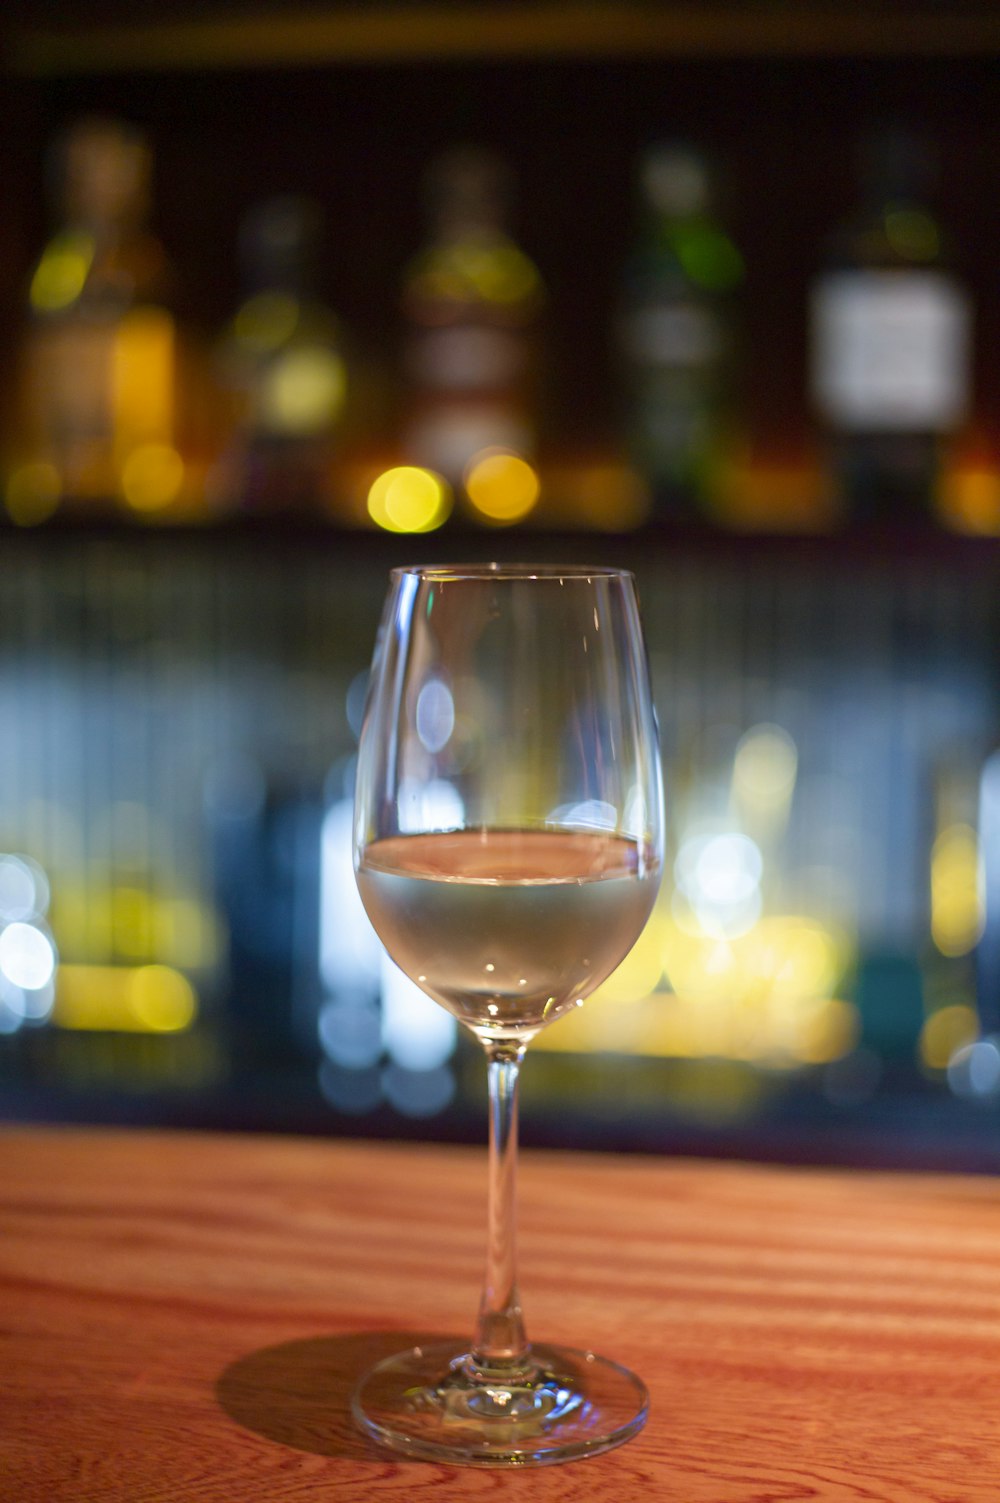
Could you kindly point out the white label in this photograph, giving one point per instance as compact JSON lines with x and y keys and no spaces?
{"x":673,"y":335}
{"x":467,"y":357}
{"x":890,"y":349}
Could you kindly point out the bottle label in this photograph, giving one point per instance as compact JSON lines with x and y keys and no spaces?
{"x":466,"y":358}
{"x":70,"y":408}
{"x":673,"y":335}
{"x":890,"y":350}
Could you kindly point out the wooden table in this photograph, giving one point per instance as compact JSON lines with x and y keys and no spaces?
{"x":183,"y":1317}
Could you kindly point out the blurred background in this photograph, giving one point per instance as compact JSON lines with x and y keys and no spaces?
{"x":287,"y":298}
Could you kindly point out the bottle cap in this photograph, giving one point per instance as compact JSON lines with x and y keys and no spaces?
{"x":102,"y":170}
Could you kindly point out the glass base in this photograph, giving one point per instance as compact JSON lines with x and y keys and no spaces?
{"x":432,"y":1403}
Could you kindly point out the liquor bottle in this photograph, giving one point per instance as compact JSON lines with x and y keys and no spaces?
{"x":676,"y":341}
{"x":283,"y":368}
{"x":890,"y":339}
{"x":471,"y":300}
{"x":98,"y":382}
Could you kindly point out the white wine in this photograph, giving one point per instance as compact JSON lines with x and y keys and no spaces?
{"x":508,"y":928}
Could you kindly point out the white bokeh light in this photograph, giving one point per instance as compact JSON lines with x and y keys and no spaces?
{"x":435,"y":716}
{"x":27,"y":956}
{"x":19,"y":889}
{"x":974,"y":1070}
{"x":719,"y":876}
{"x":349,"y":949}
{"x":417,"y":1033}
{"x":350,"y":1032}
{"x":423,"y":806}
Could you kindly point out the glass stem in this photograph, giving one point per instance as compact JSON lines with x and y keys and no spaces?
{"x":501,"y":1347}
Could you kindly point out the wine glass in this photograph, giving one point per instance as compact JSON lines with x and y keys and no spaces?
{"x":508,"y":849}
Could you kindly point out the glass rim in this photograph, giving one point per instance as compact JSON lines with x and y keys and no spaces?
{"x":454,"y":572}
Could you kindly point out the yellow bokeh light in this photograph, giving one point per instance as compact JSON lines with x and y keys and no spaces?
{"x":764,"y":770}
{"x":501,"y":486}
{"x":152,"y":476}
{"x":610,"y":497}
{"x":828,"y":1029}
{"x":143,"y":374}
{"x":763,"y":998}
{"x":956,"y":890}
{"x":186,"y":931}
{"x":970,"y":500}
{"x":492,"y":271}
{"x":947,"y":1029}
{"x":62,"y":272}
{"x":124,"y":999}
{"x":641,"y":970}
{"x":33,"y":493}
{"x":409,"y":499}
{"x":762,"y":987}
{"x":131,"y":920}
{"x":794,"y":957}
{"x":134,"y":924}
{"x":503,"y":274}
{"x":266,"y":321}
{"x":162,"y":999}
{"x":698,"y":966}
{"x":304,"y":390}
{"x":667,"y":1026}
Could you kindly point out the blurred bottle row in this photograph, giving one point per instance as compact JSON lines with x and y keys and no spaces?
{"x":119,"y":404}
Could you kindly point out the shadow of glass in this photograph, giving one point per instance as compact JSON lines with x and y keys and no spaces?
{"x":299,"y":1393}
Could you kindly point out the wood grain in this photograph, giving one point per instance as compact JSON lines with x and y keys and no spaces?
{"x":183,"y":1318}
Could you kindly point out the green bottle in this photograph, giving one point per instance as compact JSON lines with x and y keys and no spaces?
{"x":676,"y":340}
